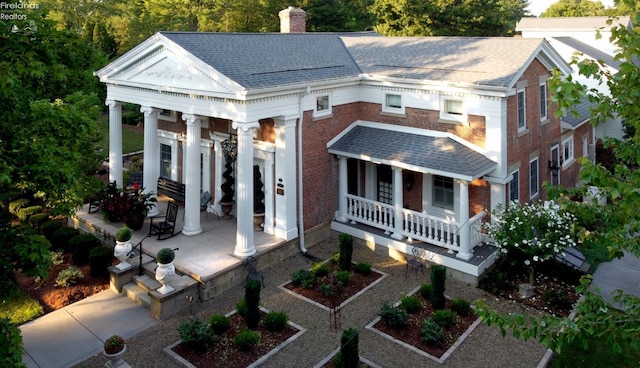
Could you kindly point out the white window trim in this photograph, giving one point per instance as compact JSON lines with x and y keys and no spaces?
{"x":171,"y":116}
{"x":531,"y":193}
{"x":389,"y":109}
{"x":524,"y":116}
{"x":567,"y":160}
{"x":328,"y":111}
{"x":585,"y":146}
{"x":513,"y":176}
{"x":445,"y":115}
{"x":170,"y":139}
{"x":546,"y":103}
{"x":427,"y":200}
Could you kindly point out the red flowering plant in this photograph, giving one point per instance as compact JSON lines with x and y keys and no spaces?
{"x":128,"y":205}
{"x":114,"y":344}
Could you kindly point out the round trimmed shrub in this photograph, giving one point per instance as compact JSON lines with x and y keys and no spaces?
{"x":425,"y":291}
{"x":411,"y":304}
{"x":445,"y":318}
{"x":343,"y":277}
{"x":100,"y":258}
{"x":80,"y":247}
{"x":49,"y":227}
{"x":432,"y":333}
{"x":219,"y":323}
{"x":275,"y":321}
{"x":165,"y":256}
{"x":320,"y":269}
{"x":304,"y":279}
{"x":60,"y":238}
{"x":461,"y":307}
{"x":362,"y":268}
{"x":124,"y":234}
{"x":196,"y":335}
{"x":394,"y":317}
{"x":247,"y":339}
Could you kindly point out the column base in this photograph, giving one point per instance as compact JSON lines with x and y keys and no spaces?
{"x":397,"y":236}
{"x":244,"y":253}
{"x":465,"y":256}
{"x":191,"y":232}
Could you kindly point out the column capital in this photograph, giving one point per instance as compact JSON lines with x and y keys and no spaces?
{"x":245,"y":126}
{"x":191,"y":119}
{"x":462,"y":181}
{"x":287,"y":121}
{"x":148,"y":110}
{"x":112,"y":103}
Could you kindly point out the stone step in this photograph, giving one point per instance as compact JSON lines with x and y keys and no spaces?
{"x":139,"y":295}
{"x":146,"y":282}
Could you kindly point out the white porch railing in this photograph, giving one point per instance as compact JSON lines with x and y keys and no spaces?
{"x":416,"y":225}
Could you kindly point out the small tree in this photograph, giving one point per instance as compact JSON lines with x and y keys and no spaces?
{"x":349,"y":348}
{"x":346,"y":251}
{"x":252,"y":298}
{"x":532,"y":233}
{"x":438,"y":278}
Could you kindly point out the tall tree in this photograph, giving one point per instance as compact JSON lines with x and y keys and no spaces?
{"x":613,"y":226}
{"x":575,"y":8}
{"x":338,"y":15}
{"x":448,"y":17}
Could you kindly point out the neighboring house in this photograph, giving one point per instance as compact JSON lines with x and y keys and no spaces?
{"x":589,"y":36}
{"x":390,"y":139}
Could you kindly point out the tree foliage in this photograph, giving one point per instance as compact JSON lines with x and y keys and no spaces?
{"x":575,"y":8}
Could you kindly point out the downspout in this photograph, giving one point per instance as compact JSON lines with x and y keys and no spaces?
{"x":300,"y":191}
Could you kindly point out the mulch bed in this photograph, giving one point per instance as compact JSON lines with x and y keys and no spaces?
{"x":226,"y":354}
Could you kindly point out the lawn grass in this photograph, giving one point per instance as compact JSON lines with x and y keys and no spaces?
{"x":20,"y":308}
{"x":131,"y":141}
{"x":597,"y":355}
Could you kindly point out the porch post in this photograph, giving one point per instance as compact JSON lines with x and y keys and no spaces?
{"x":244,"y":190}
{"x":268,"y":194}
{"x":465,"y":247}
{"x":191,"y":176}
{"x":115,"y":142}
{"x":343,"y":189}
{"x":150,"y":161}
{"x":285,"y":199}
{"x":398,"y":203}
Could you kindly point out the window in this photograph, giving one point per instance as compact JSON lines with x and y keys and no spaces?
{"x":168,"y":115}
{"x":323,"y":106}
{"x":585,"y":146}
{"x":165,"y":161}
{"x":443,"y":191}
{"x":543,"y":101}
{"x":452,"y":110}
{"x":567,"y":151}
{"x":514,"y":187}
{"x":393,"y":103}
{"x":533,"y":177}
{"x":385,"y":186}
{"x":522,"y":124}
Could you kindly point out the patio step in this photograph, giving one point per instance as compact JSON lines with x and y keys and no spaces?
{"x":146,"y":282}
{"x":139,"y":295}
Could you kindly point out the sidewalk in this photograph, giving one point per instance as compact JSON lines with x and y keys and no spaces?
{"x":76,"y":333}
{"x":619,"y":274}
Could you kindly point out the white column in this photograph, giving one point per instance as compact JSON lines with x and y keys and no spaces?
{"x":192,"y":176}
{"x":342,"y":190}
{"x":268,"y":195}
{"x":463,"y":218}
{"x":398,"y":203}
{"x":285,"y":199}
{"x":244,"y":190}
{"x":150,"y":168}
{"x":115,"y":141}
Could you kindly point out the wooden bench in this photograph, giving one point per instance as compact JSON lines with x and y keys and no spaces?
{"x":171,"y":189}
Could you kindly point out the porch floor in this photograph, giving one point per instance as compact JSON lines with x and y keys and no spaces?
{"x":202,"y":256}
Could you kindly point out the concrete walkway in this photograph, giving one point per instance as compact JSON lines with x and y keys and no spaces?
{"x":619,"y":274}
{"x":77,"y":332}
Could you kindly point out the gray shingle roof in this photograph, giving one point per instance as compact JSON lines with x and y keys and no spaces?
{"x":589,"y":51}
{"x":493,"y":61}
{"x":439,"y":155}
{"x":258,"y":60}
{"x":582,"y":114}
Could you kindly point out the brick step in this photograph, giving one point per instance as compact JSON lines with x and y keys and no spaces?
{"x":139,"y":295}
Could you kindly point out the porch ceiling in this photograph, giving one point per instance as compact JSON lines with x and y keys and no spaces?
{"x":434,"y":154}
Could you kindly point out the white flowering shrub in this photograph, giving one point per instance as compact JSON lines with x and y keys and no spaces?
{"x":533,"y":232}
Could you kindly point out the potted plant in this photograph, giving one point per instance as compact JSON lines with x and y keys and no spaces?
{"x":258,"y":199}
{"x":123,"y":247}
{"x":229,"y":147}
{"x":114,"y":348}
{"x":165,"y":270}
{"x":136,"y":205}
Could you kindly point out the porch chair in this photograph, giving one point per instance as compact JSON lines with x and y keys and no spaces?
{"x":416,"y":262}
{"x":206,"y":205}
{"x":250,"y":265}
{"x":166,"y":227}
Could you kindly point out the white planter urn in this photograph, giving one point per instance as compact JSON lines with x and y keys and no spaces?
{"x":115,"y":360}
{"x":121,"y":252}
{"x":164,"y":274}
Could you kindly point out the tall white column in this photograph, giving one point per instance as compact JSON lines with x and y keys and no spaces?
{"x":463,"y":219}
{"x":342,"y":190}
{"x":150,"y":169}
{"x":398,"y":203}
{"x":115,"y":142}
{"x":192,"y":176}
{"x":268,"y":195}
{"x":244,"y":190}
{"x":286,"y":226}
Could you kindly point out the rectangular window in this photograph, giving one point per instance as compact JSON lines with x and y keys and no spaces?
{"x":443,"y":191}
{"x":533,"y":177}
{"x":567,"y":151}
{"x":167,"y":115}
{"x":543,"y":101}
{"x":585,"y":146}
{"x":452,"y":110}
{"x":165,"y":161}
{"x":323,"y":106}
{"x":514,"y":187}
{"x":385,"y":186}
{"x":522,"y":123}
{"x":393,"y":103}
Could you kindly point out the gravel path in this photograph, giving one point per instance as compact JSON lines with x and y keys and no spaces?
{"x":485,"y":347}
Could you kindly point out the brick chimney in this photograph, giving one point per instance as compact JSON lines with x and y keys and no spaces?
{"x":293,"y":20}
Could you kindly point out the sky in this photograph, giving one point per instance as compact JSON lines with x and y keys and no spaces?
{"x":538,"y":6}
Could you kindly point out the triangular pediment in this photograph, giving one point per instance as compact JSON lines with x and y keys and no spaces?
{"x":161,"y":65}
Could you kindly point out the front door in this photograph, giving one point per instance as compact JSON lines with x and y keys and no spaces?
{"x":554,"y":165}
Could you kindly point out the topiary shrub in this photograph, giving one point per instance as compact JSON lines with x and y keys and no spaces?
{"x":425,"y":291}
{"x":124,"y":234}
{"x":320,"y":269}
{"x":445,"y":318}
{"x":394,"y":317}
{"x":343,"y":277}
{"x":196,"y":335}
{"x":349,"y":348}
{"x":219,"y":323}
{"x":432,"y":333}
{"x":410,"y":303}
{"x":60,"y":238}
{"x":100,"y":258}
{"x":275,"y":321}
{"x":80,"y":247}
{"x":461,"y":307}
{"x":363,"y":268}
{"x":304,"y":279}
{"x":252,"y":297}
{"x":49,"y":227}
{"x":10,"y":344}
{"x":438,"y":278}
{"x":247,"y":339}
{"x":165,"y":256}
{"x":346,"y":251}
{"x":69,"y":276}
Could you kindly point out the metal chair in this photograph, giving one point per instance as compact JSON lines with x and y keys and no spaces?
{"x":250,"y":265}
{"x":168,"y":225}
{"x":417,"y":262}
